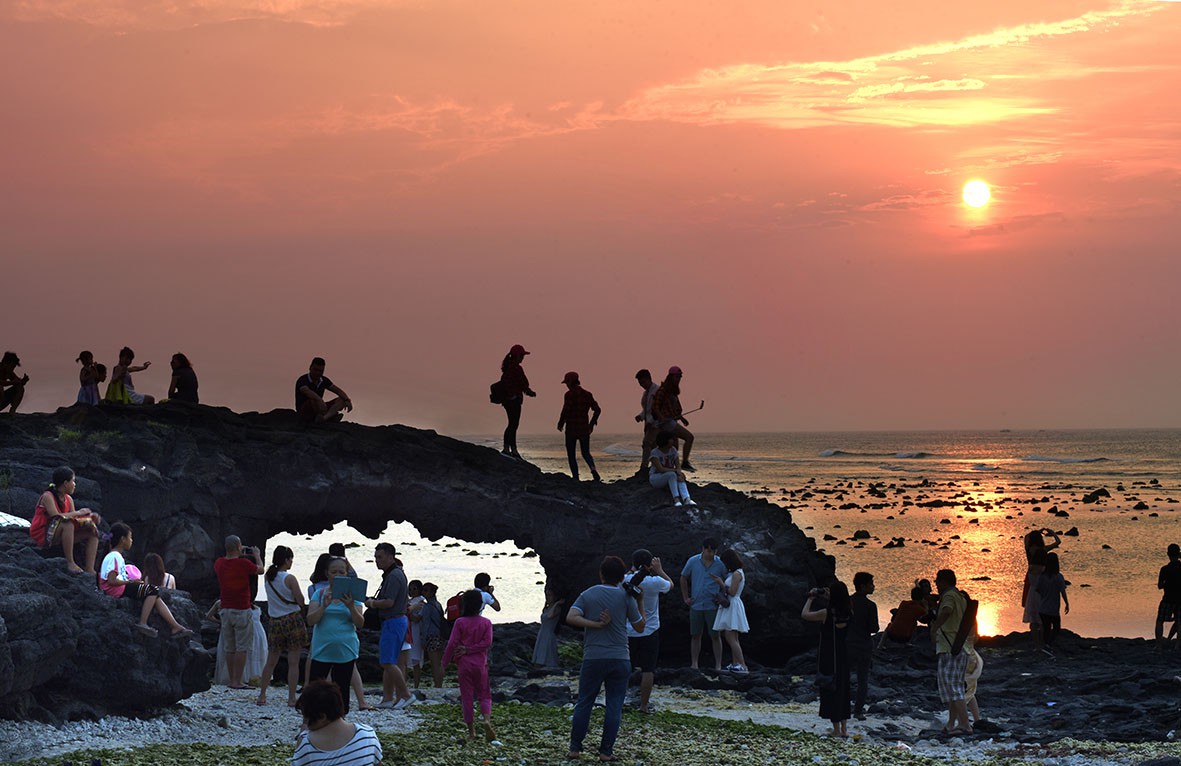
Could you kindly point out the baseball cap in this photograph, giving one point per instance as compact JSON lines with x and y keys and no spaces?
{"x":674,"y":370}
{"x":517,"y":350}
{"x":571,"y":377}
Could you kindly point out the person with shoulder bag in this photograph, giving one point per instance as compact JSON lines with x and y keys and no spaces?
{"x":287,"y":631}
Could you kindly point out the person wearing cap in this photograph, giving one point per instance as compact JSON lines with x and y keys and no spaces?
{"x":516,"y":387}
{"x":644,"y":378}
{"x":666,"y":409}
{"x":574,"y":419}
{"x":12,"y":388}
{"x":390,"y":604}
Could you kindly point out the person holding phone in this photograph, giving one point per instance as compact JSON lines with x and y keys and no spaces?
{"x":234,"y":571}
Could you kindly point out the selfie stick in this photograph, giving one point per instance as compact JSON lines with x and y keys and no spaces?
{"x":700,"y":407}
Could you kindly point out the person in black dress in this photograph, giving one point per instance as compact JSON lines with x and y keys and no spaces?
{"x":832,"y":656}
{"x":183,"y":386}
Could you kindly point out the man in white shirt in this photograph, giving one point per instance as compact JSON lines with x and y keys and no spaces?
{"x":644,"y":378}
{"x":649,"y":578}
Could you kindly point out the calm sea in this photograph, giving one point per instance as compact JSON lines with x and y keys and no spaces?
{"x":1004,"y":483}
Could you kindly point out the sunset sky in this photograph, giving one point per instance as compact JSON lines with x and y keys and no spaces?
{"x":767,"y":194}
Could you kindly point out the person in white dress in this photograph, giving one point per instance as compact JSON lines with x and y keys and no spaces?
{"x":731,"y":619}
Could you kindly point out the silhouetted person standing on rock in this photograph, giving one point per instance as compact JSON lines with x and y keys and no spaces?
{"x":1169,"y":582}
{"x":666,"y":408}
{"x":309,"y":395}
{"x":644,"y":378}
{"x":516,"y":388}
{"x":12,"y":388}
{"x":578,"y":403}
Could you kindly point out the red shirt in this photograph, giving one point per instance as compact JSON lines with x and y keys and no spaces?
{"x":233,"y":575}
{"x":906,"y":619}
{"x":578,"y":403}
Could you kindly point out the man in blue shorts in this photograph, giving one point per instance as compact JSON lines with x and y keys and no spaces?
{"x":391,"y":608}
{"x":698,"y":590}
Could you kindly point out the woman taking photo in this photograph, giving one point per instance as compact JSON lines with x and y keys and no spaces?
{"x":287,"y":632}
{"x":832,"y":657}
{"x":334,"y":621}
{"x":516,"y":388}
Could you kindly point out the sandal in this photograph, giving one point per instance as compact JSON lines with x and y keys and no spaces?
{"x":147,"y":630}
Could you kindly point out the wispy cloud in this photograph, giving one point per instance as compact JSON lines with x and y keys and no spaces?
{"x":923,"y":85}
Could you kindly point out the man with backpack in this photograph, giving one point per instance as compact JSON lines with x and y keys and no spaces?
{"x":950,"y":629}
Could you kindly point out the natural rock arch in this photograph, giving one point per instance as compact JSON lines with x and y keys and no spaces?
{"x":186,"y":476}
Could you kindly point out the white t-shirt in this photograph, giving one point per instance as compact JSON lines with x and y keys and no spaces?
{"x":113,"y":561}
{"x":652,"y":586}
{"x":487,"y":598}
{"x":364,"y":749}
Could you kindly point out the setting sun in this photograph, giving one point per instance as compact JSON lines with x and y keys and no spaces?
{"x":976,"y":193}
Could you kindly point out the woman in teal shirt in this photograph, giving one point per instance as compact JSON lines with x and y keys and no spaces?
{"x":334,"y":622}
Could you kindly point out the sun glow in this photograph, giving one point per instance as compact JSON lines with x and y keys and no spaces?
{"x":976,"y":193}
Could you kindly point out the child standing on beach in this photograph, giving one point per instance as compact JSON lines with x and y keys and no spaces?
{"x":471,"y":638}
{"x":1051,"y":586}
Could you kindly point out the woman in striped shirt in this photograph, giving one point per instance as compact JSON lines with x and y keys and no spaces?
{"x":327,"y":739}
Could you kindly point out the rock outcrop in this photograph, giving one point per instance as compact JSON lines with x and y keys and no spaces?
{"x":185,"y":476}
{"x":69,"y":651}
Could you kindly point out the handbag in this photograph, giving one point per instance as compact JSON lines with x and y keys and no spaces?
{"x":303,"y":608}
{"x":722,"y":599}
{"x":826,"y":683}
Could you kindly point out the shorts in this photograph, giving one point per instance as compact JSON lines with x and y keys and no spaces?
{"x":139,"y":591}
{"x":8,"y":397}
{"x":644,"y":651}
{"x":237,"y":630}
{"x":435,"y":644}
{"x":1167,"y":611}
{"x":950,"y":675}
{"x":701,"y":620}
{"x":393,"y":633}
{"x":288,"y":633}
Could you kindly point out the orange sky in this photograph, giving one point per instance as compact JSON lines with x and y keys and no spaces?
{"x":767,"y":194}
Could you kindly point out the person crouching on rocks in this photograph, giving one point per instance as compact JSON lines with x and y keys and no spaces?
{"x":118,"y":580}
{"x":56,"y":522}
{"x":664,"y":471}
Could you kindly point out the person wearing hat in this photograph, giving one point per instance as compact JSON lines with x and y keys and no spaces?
{"x":577,"y":404}
{"x":12,"y":388}
{"x":390,"y":604}
{"x":516,"y":387}
{"x":666,"y":408}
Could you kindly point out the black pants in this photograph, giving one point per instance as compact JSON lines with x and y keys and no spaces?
{"x":513,"y":410}
{"x":341,"y":674}
{"x":860,"y":663}
{"x":584,"y":443}
{"x":1051,"y":627}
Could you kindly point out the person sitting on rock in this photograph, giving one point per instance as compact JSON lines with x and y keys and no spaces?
{"x":156,"y":574}
{"x":664,"y":470}
{"x":88,"y":379}
{"x":12,"y":388}
{"x":121,"y":390}
{"x":906,"y":617}
{"x":183,"y":386}
{"x":309,"y":395}
{"x":56,"y":522}
{"x":119,"y":580}
{"x":327,"y":737}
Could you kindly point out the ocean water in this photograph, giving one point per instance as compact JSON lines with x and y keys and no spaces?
{"x":1002,"y":485}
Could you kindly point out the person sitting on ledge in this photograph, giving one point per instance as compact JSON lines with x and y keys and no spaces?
{"x":118,"y":579}
{"x":12,"y":388}
{"x":309,"y":395}
{"x":121,"y":390}
{"x":183,"y":386}
{"x":56,"y":522}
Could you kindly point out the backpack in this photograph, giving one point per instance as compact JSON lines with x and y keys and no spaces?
{"x":455,"y":607}
{"x":498,"y":392}
{"x":967,"y":624}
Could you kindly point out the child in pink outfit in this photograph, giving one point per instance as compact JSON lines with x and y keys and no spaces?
{"x":471,"y":638}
